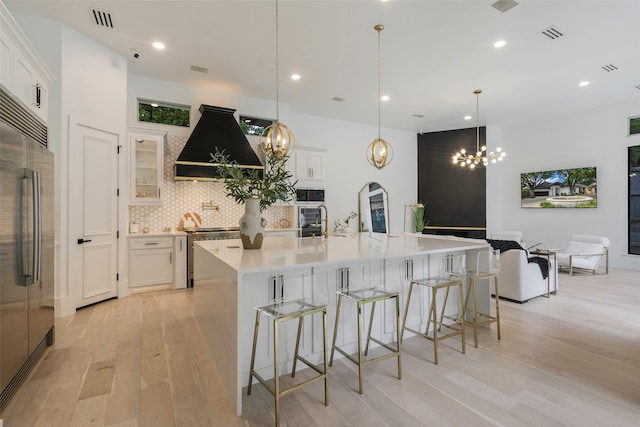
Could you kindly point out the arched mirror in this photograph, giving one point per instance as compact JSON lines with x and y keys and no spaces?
{"x":373,"y":203}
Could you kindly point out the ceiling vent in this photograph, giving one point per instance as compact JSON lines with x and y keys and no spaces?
{"x":552,"y":33}
{"x":102,"y":19}
{"x":338,"y":99}
{"x":609,"y":67}
{"x":504,"y":5}
{"x":199,"y":69}
{"x":419,"y":116}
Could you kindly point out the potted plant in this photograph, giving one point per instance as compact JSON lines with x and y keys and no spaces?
{"x":256,"y":192}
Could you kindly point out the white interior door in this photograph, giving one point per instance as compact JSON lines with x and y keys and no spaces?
{"x":93,"y":213}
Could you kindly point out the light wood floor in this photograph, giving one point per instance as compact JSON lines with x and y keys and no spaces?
{"x":572,"y":360}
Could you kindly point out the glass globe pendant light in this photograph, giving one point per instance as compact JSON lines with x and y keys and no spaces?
{"x":480,"y":157}
{"x":277,"y":140}
{"x":379,"y":152}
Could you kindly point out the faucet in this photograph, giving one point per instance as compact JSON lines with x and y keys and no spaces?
{"x":325,"y":233}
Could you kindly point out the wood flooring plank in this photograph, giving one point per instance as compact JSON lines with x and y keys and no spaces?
{"x":98,"y":380}
{"x":571,"y":360}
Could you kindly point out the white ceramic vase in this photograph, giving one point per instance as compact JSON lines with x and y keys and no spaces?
{"x":252,"y":225}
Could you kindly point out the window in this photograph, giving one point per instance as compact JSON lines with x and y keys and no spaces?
{"x":254,"y":125}
{"x":634,"y":125}
{"x":163,"y":112}
{"x":634,"y":199}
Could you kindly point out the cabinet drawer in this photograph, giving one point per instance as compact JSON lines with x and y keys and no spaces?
{"x":151,"y":243}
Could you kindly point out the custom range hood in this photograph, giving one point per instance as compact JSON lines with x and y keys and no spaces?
{"x":217,"y":128}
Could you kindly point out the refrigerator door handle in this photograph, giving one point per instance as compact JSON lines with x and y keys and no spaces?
{"x":27,"y":265}
{"x":37,"y":226}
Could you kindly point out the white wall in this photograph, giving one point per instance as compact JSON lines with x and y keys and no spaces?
{"x":347,"y":169}
{"x":90,"y":83}
{"x":597,"y":138}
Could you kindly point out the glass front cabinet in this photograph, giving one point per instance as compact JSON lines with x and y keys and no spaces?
{"x":147,"y":166}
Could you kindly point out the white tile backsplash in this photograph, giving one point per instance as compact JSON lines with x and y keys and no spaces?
{"x":188,"y":196}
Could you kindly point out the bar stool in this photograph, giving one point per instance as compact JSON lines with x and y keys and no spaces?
{"x":362,"y":297}
{"x":278,"y":312}
{"x":445,"y":281}
{"x":487,"y":268}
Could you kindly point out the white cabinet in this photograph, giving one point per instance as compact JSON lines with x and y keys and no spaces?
{"x":150,"y":260}
{"x":22,"y":71}
{"x":147,"y":166}
{"x":310,"y":165}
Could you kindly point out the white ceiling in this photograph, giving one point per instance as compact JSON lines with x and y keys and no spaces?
{"x":434,"y":54}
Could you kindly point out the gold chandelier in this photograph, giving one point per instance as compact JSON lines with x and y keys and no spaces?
{"x":379,"y":152}
{"x":277,"y":139}
{"x":463,"y":159}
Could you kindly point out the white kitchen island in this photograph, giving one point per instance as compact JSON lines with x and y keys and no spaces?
{"x":230,"y":282}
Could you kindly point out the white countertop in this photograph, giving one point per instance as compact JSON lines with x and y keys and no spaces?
{"x":288,"y":252}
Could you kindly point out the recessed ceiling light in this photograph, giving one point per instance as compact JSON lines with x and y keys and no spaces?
{"x":499,"y":44}
{"x":295,"y":76}
{"x":582,"y":84}
{"x":384,"y":98}
{"x":467,"y":117}
{"x":158,"y":45}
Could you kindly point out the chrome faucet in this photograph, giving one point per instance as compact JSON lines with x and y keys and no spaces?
{"x":325,"y":233}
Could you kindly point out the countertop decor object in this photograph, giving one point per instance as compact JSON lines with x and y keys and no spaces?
{"x":247,"y":187}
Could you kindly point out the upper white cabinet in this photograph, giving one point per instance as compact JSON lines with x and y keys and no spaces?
{"x":310,"y":165}
{"x":147,"y":166}
{"x":22,"y":71}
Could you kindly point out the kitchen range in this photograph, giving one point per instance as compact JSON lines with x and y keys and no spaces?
{"x":205,"y":233}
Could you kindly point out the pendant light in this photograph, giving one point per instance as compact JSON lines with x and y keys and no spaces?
{"x":463,"y":159}
{"x":379,"y":152}
{"x":277,"y":140}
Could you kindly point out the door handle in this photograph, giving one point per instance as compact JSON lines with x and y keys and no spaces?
{"x":81,"y":241}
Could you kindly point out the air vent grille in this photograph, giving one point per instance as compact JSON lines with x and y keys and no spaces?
{"x":504,"y":5}
{"x":199,"y":69}
{"x":609,"y":67}
{"x":419,"y":116}
{"x":102,"y":19}
{"x":338,"y":99}
{"x":552,"y":33}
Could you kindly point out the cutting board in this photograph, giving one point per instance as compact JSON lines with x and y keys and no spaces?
{"x":193,"y":216}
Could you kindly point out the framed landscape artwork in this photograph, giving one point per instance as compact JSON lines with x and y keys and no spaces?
{"x":562,"y":188}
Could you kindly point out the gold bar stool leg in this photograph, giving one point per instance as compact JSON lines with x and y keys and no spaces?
{"x":398,"y":337}
{"x":435,"y":325}
{"x":360,"y":347}
{"x":335,"y":329}
{"x":460,"y":291}
{"x":295,"y":354}
{"x":276,"y":376}
{"x":253,"y":351}
{"x":373,"y":310}
{"x":475,"y":313}
{"x":497,"y":305}
{"x":444,"y":305}
{"x":404,"y":316}
{"x":326,"y":366}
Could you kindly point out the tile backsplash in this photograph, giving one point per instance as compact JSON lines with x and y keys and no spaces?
{"x":187,"y":196}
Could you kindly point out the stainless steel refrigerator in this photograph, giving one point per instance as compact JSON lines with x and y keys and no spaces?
{"x":26,"y":244}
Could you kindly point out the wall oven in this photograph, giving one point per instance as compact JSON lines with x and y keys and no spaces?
{"x":311,"y":219}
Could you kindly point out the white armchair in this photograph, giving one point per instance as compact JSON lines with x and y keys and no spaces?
{"x":521,"y":280}
{"x":584,"y":252}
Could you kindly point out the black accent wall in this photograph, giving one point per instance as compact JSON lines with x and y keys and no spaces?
{"x":455,"y":195}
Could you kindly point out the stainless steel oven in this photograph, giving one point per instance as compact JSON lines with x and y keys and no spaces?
{"x":215,"y":233}
{"x":311,"y":219}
